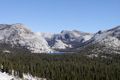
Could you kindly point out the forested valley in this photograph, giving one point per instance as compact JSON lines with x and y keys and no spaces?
{"x":67,"y":66}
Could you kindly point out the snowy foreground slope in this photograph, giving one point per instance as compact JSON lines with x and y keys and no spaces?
{"x":5,"y":76}
{"x":18,"y":36}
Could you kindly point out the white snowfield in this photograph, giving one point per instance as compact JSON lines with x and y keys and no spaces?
{"x":18,"y":35}
{"x":5,"y":76}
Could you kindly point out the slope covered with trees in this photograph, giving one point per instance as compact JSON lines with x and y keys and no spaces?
{"x":72,"y":66}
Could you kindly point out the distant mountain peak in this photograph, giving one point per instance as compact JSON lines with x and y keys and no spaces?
{"x":66,"y":39}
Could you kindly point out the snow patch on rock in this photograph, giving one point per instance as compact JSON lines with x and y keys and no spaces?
{"x":60,"y":45}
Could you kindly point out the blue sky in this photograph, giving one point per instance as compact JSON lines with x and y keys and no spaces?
{"x":57,"y":15}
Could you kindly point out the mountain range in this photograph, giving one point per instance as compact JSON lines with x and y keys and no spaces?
{"x":19,"y":37}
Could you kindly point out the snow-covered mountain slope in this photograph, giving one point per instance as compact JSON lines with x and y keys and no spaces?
{"x":75,"y":36}
{"x":110,"y":38}
{"x":66,"y":39}
{"x":60,"y":45}
{"x":5,"y":76}
{"x":45,"y":35}
{"x":18,"y":36}
{"x":107,"y":41}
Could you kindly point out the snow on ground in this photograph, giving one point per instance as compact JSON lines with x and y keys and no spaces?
{"x":5,"y":76}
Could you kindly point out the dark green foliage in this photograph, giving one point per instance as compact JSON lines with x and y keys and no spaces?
{"x":62,"y":66}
